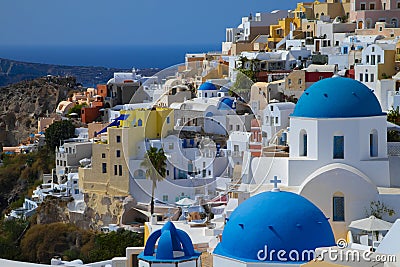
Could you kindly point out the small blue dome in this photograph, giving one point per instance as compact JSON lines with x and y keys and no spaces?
{"x":279,"y":220}
{"x":337,"y":98}
{"x":226,"y":104}
{"x":207,"y":86}
{"x":174,"y":245}
{"x":224,"y":90}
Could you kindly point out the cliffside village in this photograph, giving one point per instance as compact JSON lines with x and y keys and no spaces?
{"x":295,"y":102}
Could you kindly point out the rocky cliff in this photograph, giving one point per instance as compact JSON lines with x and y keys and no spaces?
{"x":21,"y":104}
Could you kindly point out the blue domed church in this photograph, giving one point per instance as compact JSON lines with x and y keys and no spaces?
{"x":338,"y":153}
{"x":273,"y":228}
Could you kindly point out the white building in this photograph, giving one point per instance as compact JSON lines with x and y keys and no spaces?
{"x":252,"y":26}
{"x":68,"y":156}
{"x":275,"y":118}
{"x":237,"y":144}
{"x":376,"y":69}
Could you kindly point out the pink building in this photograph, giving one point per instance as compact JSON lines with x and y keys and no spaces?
{"x":367,"y":12}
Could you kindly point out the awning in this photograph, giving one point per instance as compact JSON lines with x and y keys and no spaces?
{"x":145,"y":213}
{"x":115,"y":122}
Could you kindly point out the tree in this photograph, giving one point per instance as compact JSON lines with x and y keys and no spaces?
{"x":77,"y":109}
{"x":393,"y":116}
{"x":155,"y":164}
{"x":379,"y":209}
{"x":59,"y":130}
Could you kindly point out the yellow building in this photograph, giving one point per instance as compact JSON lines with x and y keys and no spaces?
{"x":316,"y":9}
{"x":304,"y":11}
{"x":332,"y":9}
{"x":282,"y":29}
{"x":110,"y":174}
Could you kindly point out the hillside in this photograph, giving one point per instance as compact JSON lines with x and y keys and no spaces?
{"x":24,"y":102}
{"x":12,"y":71}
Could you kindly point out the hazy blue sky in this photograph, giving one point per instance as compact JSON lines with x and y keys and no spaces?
{"x":118,"y":22}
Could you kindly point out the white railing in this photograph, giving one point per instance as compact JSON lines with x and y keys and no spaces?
{"x":393,"y":148}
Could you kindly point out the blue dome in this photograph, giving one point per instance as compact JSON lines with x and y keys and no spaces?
{"x":207,"y":86}
{"x":337,"y":98}
{"x":279,"y":220}
{"x":174,"y":245}
{"x":226,"y":104}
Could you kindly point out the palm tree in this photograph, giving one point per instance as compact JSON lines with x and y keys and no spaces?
{"x":155,"y":164}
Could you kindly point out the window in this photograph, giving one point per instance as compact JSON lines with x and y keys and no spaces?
{"x":238,"y":127}
{"x":379,"y":59}
{"x":289,"y":81}
{"x":205,"y":94}
{"x":373,"y":143}
{"x":338,"y":147}
{"x":276,"y":120}
{"x":371,"y":6}
{"x":361,"y":77}
{"x":103,"y":155}
{"x":338,"y":207}
{"x":104,"y":167}
{"x":139,"y":174}
{"x":76,"y":192}
{"x":366,"y":77}
{"x":362,"y":6}
{"x":299,"y":81}
{"x":167,"y":172}
{"x":367,"y":59}
{"x":165,"y":198}
{"x":209,"y":173}
{"x":372,"y":77}
{"x":115,"y":170}
{"x":398,"y":4}
{"x":303,"y":143}
{"x":118,"y":139}
{"x":118,"y":153}
{"x":58,"y":162}
{"x":231,"y":127}
{"x":320,"y":77}
{"x":168,"y":120}
{"x":394,"y":22}
{"x":120,"y":170}
{"x":235,"y":148}
{"x":140,"y":122}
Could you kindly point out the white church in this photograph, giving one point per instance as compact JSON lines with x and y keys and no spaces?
{"x":338,"y":154}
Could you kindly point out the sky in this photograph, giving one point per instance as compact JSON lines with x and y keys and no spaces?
{"x":124,"y":22}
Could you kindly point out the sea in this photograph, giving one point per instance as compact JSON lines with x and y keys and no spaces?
{"x":116,"y":56}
